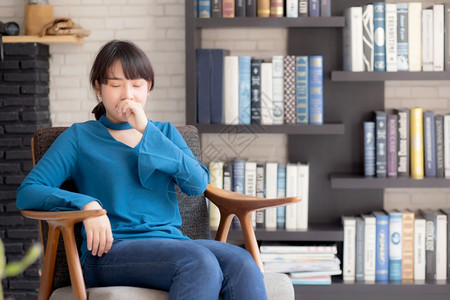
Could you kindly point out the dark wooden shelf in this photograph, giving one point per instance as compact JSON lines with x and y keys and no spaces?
{"x":385,"y":76}
{"x":318,"y":233}
{"x":345,"y":181}
{"x":307,"y":22}
{"x":325,"y":129}
{"x":340,"y":290}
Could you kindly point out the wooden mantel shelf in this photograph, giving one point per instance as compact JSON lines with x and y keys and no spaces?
{"x":49,"y":39}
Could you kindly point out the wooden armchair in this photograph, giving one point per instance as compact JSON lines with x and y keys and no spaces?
{"x":62,"y":276}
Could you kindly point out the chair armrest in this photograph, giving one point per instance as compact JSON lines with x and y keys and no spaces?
{"x":232,"y":203}
{"x":69,"y":217}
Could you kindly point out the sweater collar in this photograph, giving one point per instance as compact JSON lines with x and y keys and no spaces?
{"x":115,"y":126}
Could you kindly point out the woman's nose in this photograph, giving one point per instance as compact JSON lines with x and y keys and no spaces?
{"x":127,"y":92}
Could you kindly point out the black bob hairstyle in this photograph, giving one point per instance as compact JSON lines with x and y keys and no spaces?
{"x":135,"y":65}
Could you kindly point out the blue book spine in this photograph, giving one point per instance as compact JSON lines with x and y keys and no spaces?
{"x":244,"y":89}
{"x":301,"y":90}
{"x":314,"y":8}
{"x":379,"y":36}
{"x":238,"y":184}
{"x":203,"y":86}
{"x":381,"y":145}
{"x":430,"y":144}
{"x":216,"y":69}
{"x":359,"y":268}
{"x":402,"y":37}
{"x":369,"y":149}
{"x":204,"y":8}
{"x":316,"y":90}
{"x":281,"y":192}
{"x":382,"y":246}
{"x":395,"y":246}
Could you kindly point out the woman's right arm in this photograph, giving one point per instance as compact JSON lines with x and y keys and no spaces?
{"x":40,"y":189}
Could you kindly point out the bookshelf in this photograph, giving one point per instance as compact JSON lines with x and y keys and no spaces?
{"x":333,"y":150}
{"x":49,"y":39}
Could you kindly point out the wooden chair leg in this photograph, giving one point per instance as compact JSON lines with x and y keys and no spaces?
{"x":48,"y":269}
{"x":224,"y":226}
{"x":250,"y":238}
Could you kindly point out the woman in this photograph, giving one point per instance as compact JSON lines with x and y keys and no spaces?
{"x":128,"y":165}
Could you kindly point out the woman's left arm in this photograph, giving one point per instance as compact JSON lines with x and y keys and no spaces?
{"x":165,"y":150}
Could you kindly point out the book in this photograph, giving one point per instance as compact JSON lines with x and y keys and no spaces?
{"x":446,"y":211}
{"x":415,"y":36}
{"x":281,"y":192}
{"x":231,"y":90}
{"x":263,"y":8}
{"x":228,"y":176}
{"x":417,"y":161}
{"x":320,"y":280}
{"x":316,"y":90}
{"x":289,"y":89}
{"x":353,"y":40}
{"x":382,"y":246}
{"x":266,"y":94}
{"x":239,"y":176}
{"x":217,"y":57}
{"x":250,"y":10}
{"x":349,"y":248}
{"x":271,"y":192}
{"x":325,"y":8}
{"x":303,"y":193}
{"x":239,"y":8}
{"x":303,"y":8}
{"x":216,"y":180}
{"x":256,"y":91}
{"x":379,"y":34}
{"x":314,"y":8}
{"x":439,"y":132}
{"x":278,"y":89}
{"x":395,"y":245}
{"x":447,"y":36}
{"x":429,"y":144}
{"x":204,"y":8}
{"x":203,"y":86}
{"x":292,"y":8}
{"x":250,"y":183}
{"x":380,"y":143}
{"x":359,"y":249}
{"x":430,"y":251}
{"x":260,"y":178}
{"x":419,"y":247}
{"x":368,"y":42}
{"x":402,"y":37}
{"x":440,"y":241}
{"x":244,"y":89}
{"x":302,"y":89}
{"x":407,"y":245}
{"x":228,"y":8}
{"x":403,"y":136}
{"x":285,"y":249}
{"x":291,"y":191}
{"x":369,"y":247}
{"x":369,"y":149}
{"x":216,"y":8}
{"x":392,"y":121}
{"x":438,"y":37}
{"x":277,"y":8}
{"x":427,"y":40}
{"x":391,"y":38}
{"x":447,"y":149}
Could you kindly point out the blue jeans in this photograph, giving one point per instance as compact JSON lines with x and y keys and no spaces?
{"x":188,"y":269}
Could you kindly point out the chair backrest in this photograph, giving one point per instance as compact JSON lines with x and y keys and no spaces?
{"x":192,"y":209}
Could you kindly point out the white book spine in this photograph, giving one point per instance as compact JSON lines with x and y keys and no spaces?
{"x":441,"y":247}
{"x":353,"y":40}
{"x":369,"y":248}
{"x":415,"y":36}
{"x":419,"y":249}
{"x":216,"y":180}
{"x":278,"y":90}
{"x":303,"y":193}
{"x":427,"y":40}
{"x":266,"y":94}
{"x":231,"y":90}
{"x":271,"y":192}
{"x":438,"y":33}
{"x":447,"y":149}
{"x":348,"y":265}
{"x":250,"y":184}
{"x":291,"y":191}
{"x":292,"y":8}
{"x":391,"y":37}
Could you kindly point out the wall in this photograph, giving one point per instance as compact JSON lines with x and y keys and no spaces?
{"x":158,"y":27}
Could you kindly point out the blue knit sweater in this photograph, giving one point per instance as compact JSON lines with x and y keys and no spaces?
{"x":134,"y":185}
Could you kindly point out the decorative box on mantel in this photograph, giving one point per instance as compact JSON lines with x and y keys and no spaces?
{"x":24,"y":107}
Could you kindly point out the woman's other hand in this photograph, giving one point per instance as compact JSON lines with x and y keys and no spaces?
{"x":99,"y":236}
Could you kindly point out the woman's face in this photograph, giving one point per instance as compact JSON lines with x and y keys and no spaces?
{"x":118,"y":88}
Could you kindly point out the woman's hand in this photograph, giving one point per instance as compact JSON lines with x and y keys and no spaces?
{"x":99,"y":236}
{"x":134,"y":113}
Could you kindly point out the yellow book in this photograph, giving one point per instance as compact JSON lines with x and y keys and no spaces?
{"x":417,"y":161}
{"x":263,"y":8}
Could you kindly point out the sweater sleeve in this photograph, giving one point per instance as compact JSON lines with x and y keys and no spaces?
{"x":40,"y":189}
{"x":167,"y":152}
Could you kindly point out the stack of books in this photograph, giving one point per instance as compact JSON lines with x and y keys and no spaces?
{"x":407,"y":142}
{"x":311,"y":264}
{"x":244,"y":90}
{"x":396,"y":37}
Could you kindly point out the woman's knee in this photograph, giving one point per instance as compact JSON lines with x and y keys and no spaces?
{"x":203,"y":263}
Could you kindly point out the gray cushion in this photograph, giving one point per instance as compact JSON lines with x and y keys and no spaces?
{"x":278,"y":287}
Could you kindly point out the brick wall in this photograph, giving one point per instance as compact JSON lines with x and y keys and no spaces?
{"x":24,"y":107}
